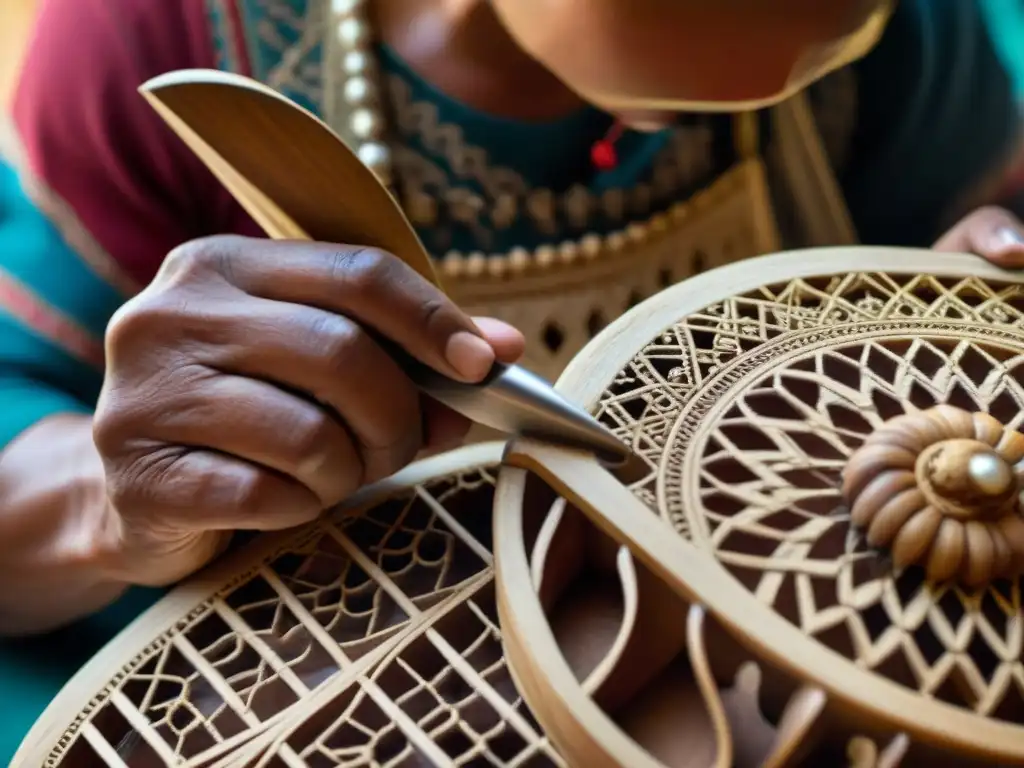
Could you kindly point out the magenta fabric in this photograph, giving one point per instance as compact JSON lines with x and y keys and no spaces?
{"x":93,"y":141}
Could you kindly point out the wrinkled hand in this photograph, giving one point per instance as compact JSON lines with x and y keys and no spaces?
{"x":242,"y":391}
{"x":994,"y":233}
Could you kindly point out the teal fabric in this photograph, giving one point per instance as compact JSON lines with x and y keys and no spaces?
{"x":33,"y":670}
{"x":554,"y":155}
{"x":38,"y":379}
{"x":44,"y":261}
{"x":1005,"y":22}
{"x":35,"y":373}
{"x":30,"y":356}
{"x":934,"y":114}
{"x":23,"y":402}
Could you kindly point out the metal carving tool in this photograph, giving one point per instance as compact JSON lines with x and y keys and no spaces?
{"x":515,"y":401}
{"x":299,"y":180}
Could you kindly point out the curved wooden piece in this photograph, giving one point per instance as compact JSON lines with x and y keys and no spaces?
{"x":557,"y":555}
{"x":691,"y":570}
{"x":650,"y":641}
{"x":568,"y":715}
{"x":695,"y":645}
{"x":864,"y":753}
{"x":802,"y":713}
{"x":283,"y":164}
{"x":600,"y":674}
{"x":613,"y":667}
{"x":895,"y":752}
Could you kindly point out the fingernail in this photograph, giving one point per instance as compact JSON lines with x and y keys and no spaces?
{"x":1008,"y":237}
{"x":470,"y":355}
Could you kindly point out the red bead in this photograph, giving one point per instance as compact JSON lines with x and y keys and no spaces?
{"x":603,"y":155}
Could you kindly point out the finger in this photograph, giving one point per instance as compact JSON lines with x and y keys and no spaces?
{"x":993,"y":233}
{"x":188,"y":489}
{"x":334,"y":361}
{"x":369,"y":286}
{"x":507,"y":341}
{"x":265,"y":426}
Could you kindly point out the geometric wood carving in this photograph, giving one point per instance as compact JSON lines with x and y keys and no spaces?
{"x":747,"y":390}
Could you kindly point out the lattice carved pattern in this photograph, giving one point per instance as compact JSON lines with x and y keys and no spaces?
{"x":747,"y":411}
{"x":563,"y":306}
{"x":362,"y":640}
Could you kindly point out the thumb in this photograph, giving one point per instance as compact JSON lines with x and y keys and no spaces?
{"x":508,"y":342}
{"x":993,"y":233}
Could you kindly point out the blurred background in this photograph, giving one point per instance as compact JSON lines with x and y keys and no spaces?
{"x":15,"y":27}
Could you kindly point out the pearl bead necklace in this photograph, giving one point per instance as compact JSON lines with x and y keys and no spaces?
{"x":360,"y":88}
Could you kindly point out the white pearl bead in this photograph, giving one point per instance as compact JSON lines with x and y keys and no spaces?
{"x":374,"y":155}
{"x":365,"y":123}
{"x":356,"y":63}
{"x":989,"y":473}
{"x":353,"y":32}
{"x":345,"y":7}
{"x":591,"y":245}
{"x":358,"y":90}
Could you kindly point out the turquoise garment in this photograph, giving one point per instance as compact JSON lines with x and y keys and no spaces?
{"x":33,"y":670}
{"x":1005,"y":21}
{"x":933,"y":115}
{"x":37,"y":379}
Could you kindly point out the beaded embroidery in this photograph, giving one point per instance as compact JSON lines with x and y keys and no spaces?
{"x":450,"y":189}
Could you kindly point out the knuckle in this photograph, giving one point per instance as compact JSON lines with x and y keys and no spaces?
{"x":201,"y":260}
{"x":113,"y":424}
{"x":127,"y":324}
{"x":192,"y":259}
{"x":142,"y":320}
{"x":107,"y":430}
{"x":342,"y":343}
{"x":244,"y":491}
{"x":362,"y":270}
{"x":309,"y":435}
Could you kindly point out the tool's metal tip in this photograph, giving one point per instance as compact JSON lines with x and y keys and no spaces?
{"x":629,"y":470}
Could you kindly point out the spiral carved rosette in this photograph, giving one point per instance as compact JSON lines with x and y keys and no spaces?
{"x":940,"y":489}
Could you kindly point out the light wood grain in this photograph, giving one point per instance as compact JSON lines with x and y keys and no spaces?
{"x":293,"y":174}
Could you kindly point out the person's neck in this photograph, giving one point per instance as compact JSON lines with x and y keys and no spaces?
{"x":461,"y":48}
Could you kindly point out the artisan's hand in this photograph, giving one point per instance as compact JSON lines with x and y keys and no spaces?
{"x":242,"y":391}
{"x":993,"y":233}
